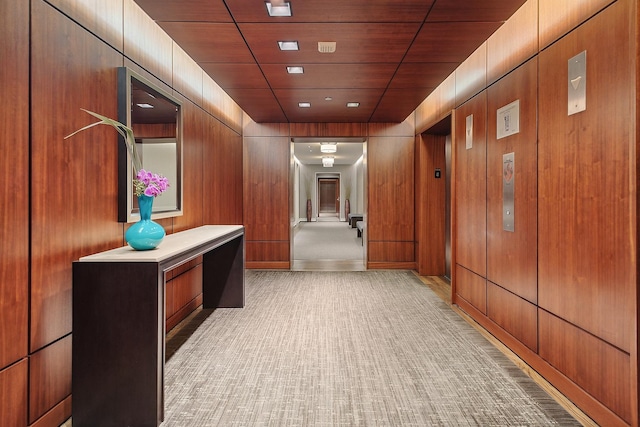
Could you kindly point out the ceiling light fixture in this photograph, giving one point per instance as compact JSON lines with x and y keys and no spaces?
{"x":326,"y":47}
{"x":328,"y":147}
{"x":288,"y":45}
{"x":304,"y":104}
{"x":145,"y":105}
{"x":295,"y":70}
{"x":279,"y":8}
{"x":353,"y":104}
{"x":327,"y":161}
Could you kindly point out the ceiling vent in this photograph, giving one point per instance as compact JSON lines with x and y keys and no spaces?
{"x":326,"y":47}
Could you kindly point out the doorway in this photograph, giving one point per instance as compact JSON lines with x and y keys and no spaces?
{"x":329,"y":197}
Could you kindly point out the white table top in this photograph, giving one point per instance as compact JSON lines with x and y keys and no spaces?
{"x":172,"y":245}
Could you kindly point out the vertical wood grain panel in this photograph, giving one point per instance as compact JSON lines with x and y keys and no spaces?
{"x":266,"y":189}
{"x":437,"y":105}
{"x":74,"y":181}
{"x":472,"y":288}
{"x":49,"y":377}
{"x":599,"y":368}
{"x":192,"y":167}
{"x":101,"y":17}
{"x":471,"y":75}
{"x":430,"y":204}
{"x":328,"y":129}
{"x":187,"y":75}
{"x":470,"y":183}
{"x":559,"y":17}
{"x":218,"y":103}
{"x":14,"y":182}
{"x":514,"y":42}
{"x":405,"y":128}
{"x":511,"y":256}
{"x":147,"y":43}
{"x":13,"y":389}
{"x":390,"y":164}
{"x":222,"y":169}
{"x":514,"y":314}
{"x":585,"y":168}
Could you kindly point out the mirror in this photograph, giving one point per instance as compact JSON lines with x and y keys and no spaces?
{"x":155,"y":117}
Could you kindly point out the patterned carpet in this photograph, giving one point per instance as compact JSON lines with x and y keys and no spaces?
{"x":373,"y":348}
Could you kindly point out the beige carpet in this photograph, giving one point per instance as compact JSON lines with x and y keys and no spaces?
{"x":374,"y":348}
{"x":327,"y":240}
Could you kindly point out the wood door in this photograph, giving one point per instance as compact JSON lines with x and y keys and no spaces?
{"x":329,"y":190}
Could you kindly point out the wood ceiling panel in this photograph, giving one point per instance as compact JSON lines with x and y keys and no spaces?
{"x":209,"y":42}
{"x":233,"y":75}
{"x":335,"y":11}
{"x":397,"y":104}
{"x":260,"y":104}
{"x":334,"y":110}
{"x":473,"y":10}
{"x":449,"y":42}
{"x":354,"y":42}
{"x":330,"y":76}
{"x":421,"y":75}
{"x":186,"y":10}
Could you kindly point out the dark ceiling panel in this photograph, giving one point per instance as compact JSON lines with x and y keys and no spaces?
{"x":234,"y":75}
{"x":354,"y":42}
{"x":335,"y":11}
{"x":389,"y":54}
{"x":209,"y":42}
{"x":473,"y":10}
{"x":186,"y":10}
{"x":449,"y":42}
{"x":331,"y":76}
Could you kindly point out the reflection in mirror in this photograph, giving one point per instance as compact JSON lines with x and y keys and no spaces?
{"x":155,"y":117}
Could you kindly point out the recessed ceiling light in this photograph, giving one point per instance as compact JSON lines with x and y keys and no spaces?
{"x":145,"y":105}
{"x":288,"y":45}
{"x":353,"y":104}
{"x":304,"y":104}
{"x":328,"y":98}
{"x":295,"y":70}
{"x":328,"y":147}
{"x":279,"y":8}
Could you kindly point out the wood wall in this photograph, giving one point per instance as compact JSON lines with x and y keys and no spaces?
{"x":59,"y":197}
{"x":561,"y":290}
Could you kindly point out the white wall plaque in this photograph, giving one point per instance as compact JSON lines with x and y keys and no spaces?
{"x":469,"y":132}
{"x":508,"y":120}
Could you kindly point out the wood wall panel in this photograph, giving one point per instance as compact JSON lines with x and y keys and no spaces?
{"x":437,"y":105}
{"x":193,"y":119}
{"x":599,"y":368}
{"x":266,"y":188}
{"x":146,"y":43}
{"x":104,"y":17}
{"x":471,"y":75}
{"x":405,"y":128}
{"x":329,"y":129}
{"x":586,"y":204}
{"x":13,"y":389}
{"x":251,"y":128}
{"x":277,"y":251}
{"x":512,"y":255}
{"x":430,"y":204}
{"x":218,"y":103}
{"x":187,"y":75}
{"x":387,"y":251}
{"x":513,"y":314}
{"x":558,"y":18}
{"x":470,"y":183}
{"x":68,"y":218}
{"x":390,"y":166}
{"x":49,"y":377}
{"x":14,"y":183}
{"x":472,"y":288}
{"x":514,"y":42}
{"x":222,"y":167}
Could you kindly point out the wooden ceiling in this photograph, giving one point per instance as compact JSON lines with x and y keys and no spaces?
{"x":390,"y":54}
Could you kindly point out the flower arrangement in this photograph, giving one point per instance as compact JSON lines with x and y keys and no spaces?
{"x":145,"y":182}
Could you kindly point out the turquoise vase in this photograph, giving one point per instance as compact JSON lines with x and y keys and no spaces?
{"x":144,"y":234}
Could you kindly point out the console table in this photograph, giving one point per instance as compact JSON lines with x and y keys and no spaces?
{"x":119,"y":321}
